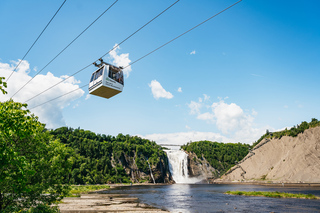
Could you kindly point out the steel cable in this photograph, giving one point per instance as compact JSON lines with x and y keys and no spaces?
{"x":64,"y":48}
{"x":105,"y":53}
{"x":152,"y":50}
{"x":36,"y":40}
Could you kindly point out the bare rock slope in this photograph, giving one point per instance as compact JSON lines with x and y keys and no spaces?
{"x":289,"y":159}
{"x":200,"y":168}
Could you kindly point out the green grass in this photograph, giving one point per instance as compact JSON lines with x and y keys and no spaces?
{"x":76,"y":190}
{"x":273,"y":194}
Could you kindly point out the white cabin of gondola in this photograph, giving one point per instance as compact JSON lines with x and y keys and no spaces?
{"x":107,"y":81}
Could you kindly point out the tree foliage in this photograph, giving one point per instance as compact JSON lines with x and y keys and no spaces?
{"x":31,"y":161}
{"x":221,"y":156}
{"x":101,"y":159}
{"x":293,"y":132}
{"x":3,"y":85}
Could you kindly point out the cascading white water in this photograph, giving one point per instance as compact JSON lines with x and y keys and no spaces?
{"x":178,"y":165}
{"x":151,"y":172}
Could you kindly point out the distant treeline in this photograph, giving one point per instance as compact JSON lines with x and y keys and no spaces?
{"x":293,"y":132}
{"x":97,"y":158}
{"x":221,"y":156}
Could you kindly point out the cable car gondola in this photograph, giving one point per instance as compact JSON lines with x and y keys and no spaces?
{"x":106,"y":81}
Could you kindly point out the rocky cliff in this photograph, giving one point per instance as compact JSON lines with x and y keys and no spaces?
{"x":160,"y":171}
{"x":200,"y":168}
{"x":289,"y":159}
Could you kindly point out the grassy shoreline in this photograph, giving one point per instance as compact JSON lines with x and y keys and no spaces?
{"x":273,"y":194}
{"x":77,"y":190}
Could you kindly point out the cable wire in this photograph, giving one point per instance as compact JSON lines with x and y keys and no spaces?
{"x":105,"y":53}
{"x":60,"y":96}
{"x":36,"y":40}
{"x":151,"y":51}
{"x":65,"y":48}
{"x":183,"y":34}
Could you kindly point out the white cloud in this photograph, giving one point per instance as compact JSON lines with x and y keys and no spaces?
{"x":254,"y":113}
{"x":87,"y":96}
{"x":194,"y":107}
{"x":50,"y":113}
{"x":158,"y":91}
{"x":120,"y":60}
{"x":193,"y":52}
{"x":230,"y":119}
{"x":179,"y":89}
{"x":181,"y":138}
{"x":205,"y":116}
{"x":70,"y":80}
{"x":206,"y":97}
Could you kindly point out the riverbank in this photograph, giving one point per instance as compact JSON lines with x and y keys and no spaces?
{"x":267,"y":183}
{"x":273,"y":194}
{"x":94,"y":203}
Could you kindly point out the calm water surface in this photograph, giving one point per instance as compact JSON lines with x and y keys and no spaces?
{"x":210,"y":198}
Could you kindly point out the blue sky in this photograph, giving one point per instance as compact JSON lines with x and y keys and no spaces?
{"x":254,"y":67}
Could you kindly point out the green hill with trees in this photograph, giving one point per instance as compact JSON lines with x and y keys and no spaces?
{"x":221,"y":156}
{"x":101,"y":159}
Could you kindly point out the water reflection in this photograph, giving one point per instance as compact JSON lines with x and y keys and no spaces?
{"x":179,"y":197}
{"x":211,"y":198}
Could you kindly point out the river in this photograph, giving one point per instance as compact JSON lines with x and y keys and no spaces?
{"x":211,"y":198}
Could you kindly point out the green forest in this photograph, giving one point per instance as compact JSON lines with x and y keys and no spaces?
{"x":100,"y":159}
{"x":221,"y":156}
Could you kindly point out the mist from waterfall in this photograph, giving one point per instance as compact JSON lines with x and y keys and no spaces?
{"x":178,"y":165}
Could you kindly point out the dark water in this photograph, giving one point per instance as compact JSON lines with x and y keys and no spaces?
{"x":210,"y":198}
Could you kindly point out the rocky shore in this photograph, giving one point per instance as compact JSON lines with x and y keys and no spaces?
{"x":101,"y":203}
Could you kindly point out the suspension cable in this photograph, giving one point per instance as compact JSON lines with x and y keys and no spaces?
{"x":182,"y":34}
{"x":105,"y":53}
{"x":35,"y":41}
{"x":65,"y":47}
{"x":151,"y":51}
{"x":60,"y":96}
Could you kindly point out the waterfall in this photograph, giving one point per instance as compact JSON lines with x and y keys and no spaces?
{"x":178,"y":165}
{"x":151,"y":171}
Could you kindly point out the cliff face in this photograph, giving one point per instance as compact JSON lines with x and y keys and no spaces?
{"x":160,"y":171}
{"x":289,"y":159}
{"x":200,"y":168}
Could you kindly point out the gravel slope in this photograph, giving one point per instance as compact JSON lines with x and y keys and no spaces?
{"x":289,"y":160}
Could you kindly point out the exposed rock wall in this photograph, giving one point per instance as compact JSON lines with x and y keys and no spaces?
{"x":160,"y":171}
{"x":289,"y":159}
{"x":200,"y":168}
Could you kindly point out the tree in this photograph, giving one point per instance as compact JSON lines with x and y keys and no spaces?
{"x":4,"y":85}
{"x":33,"y":165}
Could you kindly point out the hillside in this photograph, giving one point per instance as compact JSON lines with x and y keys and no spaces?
{"x":220,"y":156}
{"x":281,"y":159}
{"x":100,"y":159}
